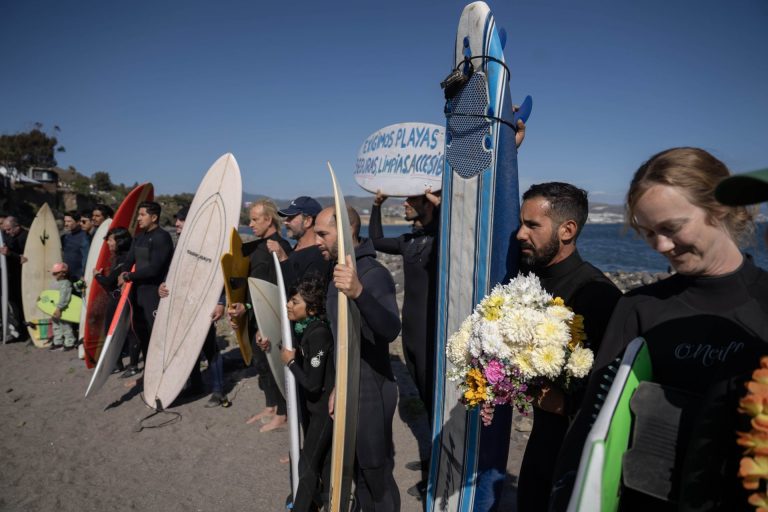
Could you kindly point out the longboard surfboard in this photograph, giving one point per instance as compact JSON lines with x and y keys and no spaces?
{"x":47,"y":304}
{"x":113,"y":344}
{"x":347,"y":370}
{"x":97,"y":242}
{"x":291,"y":395}
{"x":267,"y":307}
{"x":479,"y":217}
{"x":43,"y":249}
{"x":235,"y":267}
{"x":194,"y":282}
{"x":4,"y":290}
{"x":598,"y":480}
{"x":126,"y":216}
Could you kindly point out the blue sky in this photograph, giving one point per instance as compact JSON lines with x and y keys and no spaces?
{"x":156,"y":91}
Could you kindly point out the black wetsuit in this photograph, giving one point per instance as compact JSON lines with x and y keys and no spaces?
{"x":589,"y":293}
{"x":314,"y":373}
{"x":375,"y":486}
{"x":705,"y":335}
{"x":262,"y":266}
{"x":302,"y":264}
{"x":419,"y":251}
{"x":151,"y":252}
{"x":15,"y":244}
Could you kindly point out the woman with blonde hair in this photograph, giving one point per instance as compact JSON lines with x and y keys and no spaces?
{"x":705,"y":328}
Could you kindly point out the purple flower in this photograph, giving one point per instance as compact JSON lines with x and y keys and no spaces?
{"x":494,"y":371}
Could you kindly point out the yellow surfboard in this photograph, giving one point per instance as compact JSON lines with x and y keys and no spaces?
{"x":235,"y":268}
{"x":347,"y":371}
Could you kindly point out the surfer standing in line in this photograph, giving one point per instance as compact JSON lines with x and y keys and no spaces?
{"x":14,"y":239}
{"x":75,"y":244}
{"x":265,"y":224}
{"x":101,"y":212}
{"x":552,"y":217}
{"x":312,"y":366}
{"x":305,"y":260}
{"x":63,"y":336}
{"x":372,"y":289}
{"x":151,"y":251}
{"x":705,"y":328}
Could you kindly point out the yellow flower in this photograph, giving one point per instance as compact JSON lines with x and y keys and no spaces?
{"x":476,"y":387}
{"x":759,"y":500}
{"x":755,"y":442}
{"x":491,"y":307}
{"x":578,"y":336}
{"x":557,"y":301}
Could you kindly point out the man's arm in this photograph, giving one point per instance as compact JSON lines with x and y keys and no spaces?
{"x":378,"y":305}
{"x":376,"y":231}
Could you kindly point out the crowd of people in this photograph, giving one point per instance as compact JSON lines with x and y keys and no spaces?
{"x":716,"y":298}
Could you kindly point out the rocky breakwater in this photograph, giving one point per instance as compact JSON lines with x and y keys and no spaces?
{"x":627,"y":281}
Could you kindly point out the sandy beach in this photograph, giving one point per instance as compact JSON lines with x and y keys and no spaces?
{"x":62,"y":452}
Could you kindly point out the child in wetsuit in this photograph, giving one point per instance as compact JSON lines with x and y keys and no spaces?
{"x":63,"y":336}
{"x":312,"y":367}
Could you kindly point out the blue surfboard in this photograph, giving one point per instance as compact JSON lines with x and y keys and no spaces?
{"x":479,"y":219}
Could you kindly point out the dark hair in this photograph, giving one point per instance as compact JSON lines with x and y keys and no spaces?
{"x":86,"y":212}
{"x":152,"y":208}
{"x":182,"y":213}
{"x":312,"y":289}
{"x":105,"y":210}
{"x":75,"y":215}
{"x":566,"y":202}
{"x":695,"y":173}
{"x":122,"y":238}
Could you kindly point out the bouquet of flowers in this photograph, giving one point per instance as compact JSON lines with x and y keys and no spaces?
{"x":517,"y":336}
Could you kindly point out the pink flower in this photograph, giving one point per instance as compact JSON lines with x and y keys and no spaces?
{"x":494,"y":371}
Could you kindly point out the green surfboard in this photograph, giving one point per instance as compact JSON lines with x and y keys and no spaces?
{"x":598,"y":481}
{"x":47,"y":304}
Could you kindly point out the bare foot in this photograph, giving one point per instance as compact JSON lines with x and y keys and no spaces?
{"x":277,"y":422}
{"x":268,"y":411}
{"x":285,"y":459}
{"x":131,"y":383}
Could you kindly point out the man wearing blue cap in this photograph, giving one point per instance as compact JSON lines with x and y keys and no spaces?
{"x":306,"y":259}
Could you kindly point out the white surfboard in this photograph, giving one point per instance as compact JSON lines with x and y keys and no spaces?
{"x":43,"y":249}
{"x":194,"y":282}
{"x":4,"y":290}
{"x":93,"y":256}
{"x":291,"y":398}
{"x":402,"y":159}
{"x":267,"y":306}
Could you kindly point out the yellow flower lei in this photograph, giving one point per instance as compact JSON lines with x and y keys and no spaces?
{"x":476,"y":392}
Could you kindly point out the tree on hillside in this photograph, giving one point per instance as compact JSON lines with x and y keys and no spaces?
{"x":29,"y":149}
{"x":102,"y":181}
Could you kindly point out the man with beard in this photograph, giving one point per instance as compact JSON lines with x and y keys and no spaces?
{"x":75,"y":244}
{"x":265,"y":224}
{"x":305,"y":260}
{"x":372,"y":289}
{"x":552,"y":217}
{"x":14,"y":239}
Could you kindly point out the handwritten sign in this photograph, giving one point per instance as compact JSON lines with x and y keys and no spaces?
{"x":402,"y":159}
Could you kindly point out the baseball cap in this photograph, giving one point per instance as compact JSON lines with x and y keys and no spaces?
{"x":59,"y":267}
{"x":743,"y":189}
{"x":303,"y":204}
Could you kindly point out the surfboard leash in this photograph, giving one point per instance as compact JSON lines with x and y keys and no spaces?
{"x":158,"y":409}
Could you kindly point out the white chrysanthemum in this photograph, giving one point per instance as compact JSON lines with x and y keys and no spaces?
{"x":526,"y":290}
{"x":524,"y":363}
{"x":548,"y":360}
{"x":580,"y":362}
{"x":518,"y":325}
{"x":458,"y":344}
{"x":552,"y":332}
{"x":492,"y":341}
{"x":559,"y":313}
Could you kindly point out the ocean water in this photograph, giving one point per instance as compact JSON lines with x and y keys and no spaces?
{"x":611,"y":247}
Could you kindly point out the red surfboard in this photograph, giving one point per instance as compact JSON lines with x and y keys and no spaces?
{"x":125,"y":217}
